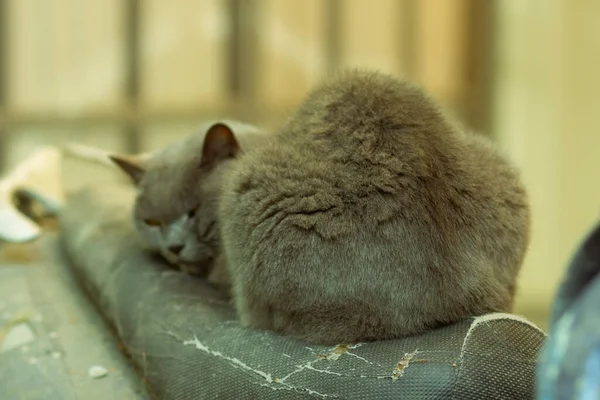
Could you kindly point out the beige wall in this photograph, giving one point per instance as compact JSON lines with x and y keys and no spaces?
{"x":546,"y":119}
{"x":66,"y":59}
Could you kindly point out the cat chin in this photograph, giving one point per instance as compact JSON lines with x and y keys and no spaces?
{"x":170,"y":258}
{"x":198,"y":268}
{"x":194,"y":269}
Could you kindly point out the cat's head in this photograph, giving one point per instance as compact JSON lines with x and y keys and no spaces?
{"x":175,"y":211}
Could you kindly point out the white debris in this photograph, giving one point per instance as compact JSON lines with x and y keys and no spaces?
{"x":97,"y":372}
{"x":53,"y":335}
{"x":55,"y":354}
{"x":33,"y":360}
{"x":14,"y":227}
{"x":18,"y":335}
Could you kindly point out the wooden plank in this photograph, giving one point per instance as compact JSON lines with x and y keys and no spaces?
{"x":242,"y":61}
{"x":527,"y":126}
{"x":25,"y":139}
{"x":580,"y":144}
{"x":159,"y":135}
{"x":3,"y":80}
{"x":183,"y":53}
{"x":139,"y":116}
{"x":332,"y":27}
{"x":372,"y":35}
{"x":480,"y":66}
{"x":64,"y":56}
{"x":131,"y":67}
{"x":442,"y":51}
{"x":291,"y":50}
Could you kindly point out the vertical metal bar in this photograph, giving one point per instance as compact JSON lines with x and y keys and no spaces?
{"x":4,"y":32}
{"x":242,"y":59}
{"x":234,"y":48}
{"x":333,"y":33}
{"x":409,"y":37}
{"x":479,"y":65}
{"x":3,"y":50}
{"x":131,"y":128}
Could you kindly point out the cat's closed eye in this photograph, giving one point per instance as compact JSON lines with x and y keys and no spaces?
{"x":152,"y":222}
{"x":193,"y":213}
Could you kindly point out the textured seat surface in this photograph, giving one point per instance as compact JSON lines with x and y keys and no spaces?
{"x":186,"y":342}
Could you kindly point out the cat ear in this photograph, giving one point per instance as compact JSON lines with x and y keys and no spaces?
{"x":219,"y":145}
{"x":133,"y":166}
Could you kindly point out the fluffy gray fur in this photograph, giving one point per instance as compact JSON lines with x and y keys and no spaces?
{"x":175,"y":210}
{"x":369,"y":216}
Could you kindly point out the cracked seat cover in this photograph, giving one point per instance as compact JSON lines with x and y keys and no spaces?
{"x":186,"y":342}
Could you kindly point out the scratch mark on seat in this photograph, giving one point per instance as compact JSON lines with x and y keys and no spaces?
{"x":336,"y":352}
{"x":272,"y":383}
{"x":323,"y":370}
{"x":295,"y":389}
{"x":402,"y":365}
{"x":299,"y":368}
{"x":237,"y":362}
{"x":363,"y":359}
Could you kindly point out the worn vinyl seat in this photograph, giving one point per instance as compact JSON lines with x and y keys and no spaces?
{"x":186,"y":343}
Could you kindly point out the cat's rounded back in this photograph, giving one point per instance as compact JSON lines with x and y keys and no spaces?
{"x":372,"y":216}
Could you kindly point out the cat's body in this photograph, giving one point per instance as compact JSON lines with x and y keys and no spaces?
{"x":175,"y":211}
{"x":368,"y":216}
{"x":371,"y":216}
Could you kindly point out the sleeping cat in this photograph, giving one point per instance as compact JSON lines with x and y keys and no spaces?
{"x":370,"y":216}
{"x":175,"y":210}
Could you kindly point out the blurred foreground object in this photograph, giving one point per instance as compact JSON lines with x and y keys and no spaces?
{"x":35,"y":190}
{"x":570,"y":362}
{"x":36,"y":179}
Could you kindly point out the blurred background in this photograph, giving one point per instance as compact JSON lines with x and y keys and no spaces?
{"x":132,"y":75}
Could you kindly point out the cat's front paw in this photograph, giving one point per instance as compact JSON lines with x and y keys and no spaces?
{"x":194,"y":270}
{"x":219,"y":275}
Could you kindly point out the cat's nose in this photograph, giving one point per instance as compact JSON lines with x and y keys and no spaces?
{"x":176,"y":249}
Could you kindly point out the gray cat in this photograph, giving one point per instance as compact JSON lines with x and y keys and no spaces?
{"x":367,"y":216}
{"x":370,"y":216}
{"x":175,"y":210}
